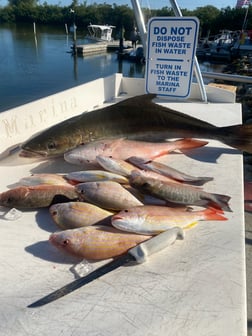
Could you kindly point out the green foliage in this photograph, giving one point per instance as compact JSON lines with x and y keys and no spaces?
{"x":212,"y":20}
{"x":207,"y":16}
{"x":20,"y":3}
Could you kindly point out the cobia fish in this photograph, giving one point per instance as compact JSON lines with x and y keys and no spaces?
{"x":96,"y":242}
{"x":38,"y":196}
{"x":72,"y":215}
{"x":153,"y":219}
{"x":124,"y":148}
{"x":178,"y":193}
{"x":134,"y":118}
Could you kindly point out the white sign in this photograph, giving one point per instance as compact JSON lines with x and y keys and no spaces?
{"x":171,"y":49}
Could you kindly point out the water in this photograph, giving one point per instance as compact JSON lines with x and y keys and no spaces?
{"x":34,"y":66}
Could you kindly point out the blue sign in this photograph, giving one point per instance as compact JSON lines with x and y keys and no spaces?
{"x":171,"y":48}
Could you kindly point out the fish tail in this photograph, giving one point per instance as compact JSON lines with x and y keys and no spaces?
{"x":180,"y":144}
{"x":220,"y":201}
{"x":213,"y":214}
{"x":199,"y":181}
{"x":239,"y":137}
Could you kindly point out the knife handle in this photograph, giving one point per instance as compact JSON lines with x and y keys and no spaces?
{"x":156,"y":244}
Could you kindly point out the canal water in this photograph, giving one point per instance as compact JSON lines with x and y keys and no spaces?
{"x":36,"y":65}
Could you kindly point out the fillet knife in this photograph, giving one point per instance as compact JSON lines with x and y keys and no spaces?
{"x":136,"y":254}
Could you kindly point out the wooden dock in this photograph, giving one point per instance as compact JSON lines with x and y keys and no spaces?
{"x":99,"y":47}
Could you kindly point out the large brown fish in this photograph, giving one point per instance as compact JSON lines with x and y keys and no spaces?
{"x":135,"y":118}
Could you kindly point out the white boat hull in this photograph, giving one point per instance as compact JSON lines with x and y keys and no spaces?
{"x":195,"y":287}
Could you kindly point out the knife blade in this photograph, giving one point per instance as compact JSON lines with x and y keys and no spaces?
{"x":136,"y":254}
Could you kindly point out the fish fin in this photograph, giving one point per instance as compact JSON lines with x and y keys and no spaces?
{"x":191,"y":225}
{"x":114,"y":144}
{"x":217,"y":210}
{"x":218,"y":201}
{"x":187,"y":143}
{"x":220,"y":205}
{"x":238,"y":136}
{"x":213,"y":214}
{"x":200,"y":180}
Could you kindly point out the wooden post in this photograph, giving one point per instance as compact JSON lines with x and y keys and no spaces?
{"x":34,"y":28}
{"x":66,"y":28}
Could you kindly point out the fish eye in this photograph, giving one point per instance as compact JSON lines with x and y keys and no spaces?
{"x":126,"y":210}
{"x":51,"y":145}
{"x":54,"y":213}
{"x":65,"y":242}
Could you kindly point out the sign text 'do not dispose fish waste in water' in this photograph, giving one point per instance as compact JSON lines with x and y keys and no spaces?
{"x":171,"y":48}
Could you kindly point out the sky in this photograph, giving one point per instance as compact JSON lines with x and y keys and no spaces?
{"x":152,"y":4}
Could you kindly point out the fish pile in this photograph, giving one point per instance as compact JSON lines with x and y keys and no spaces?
{"x":103,"y":212}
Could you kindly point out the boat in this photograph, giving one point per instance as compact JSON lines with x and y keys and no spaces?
{"x":132,"y":54}
{"x":100,"y":33}
{"x":243,"y":46}
{"x":219,"y":47}
{"x":195,"y":286}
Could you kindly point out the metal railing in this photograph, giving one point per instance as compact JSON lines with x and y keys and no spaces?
{"x":227,"y":77}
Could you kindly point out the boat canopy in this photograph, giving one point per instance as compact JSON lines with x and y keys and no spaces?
{"x":101,"y":32}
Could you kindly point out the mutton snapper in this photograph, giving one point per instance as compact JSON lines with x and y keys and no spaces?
{"x":135,"y":118}
{"x":124,"y":148}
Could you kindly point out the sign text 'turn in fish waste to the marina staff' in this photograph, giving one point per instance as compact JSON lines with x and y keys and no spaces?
{"x":170,"y":52}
